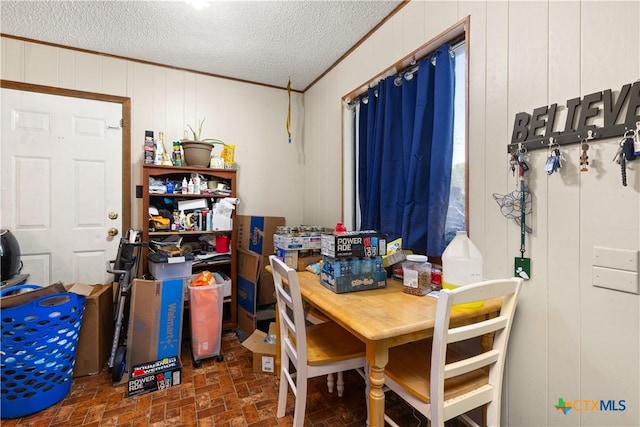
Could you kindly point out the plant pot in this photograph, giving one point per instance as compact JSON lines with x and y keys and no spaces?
{"x":197,"y":153}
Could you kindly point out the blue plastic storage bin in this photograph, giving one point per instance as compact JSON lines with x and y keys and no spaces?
{"x":39,"y":343}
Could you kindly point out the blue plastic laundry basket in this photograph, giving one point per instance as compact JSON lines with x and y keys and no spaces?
{"x":39,"y":342}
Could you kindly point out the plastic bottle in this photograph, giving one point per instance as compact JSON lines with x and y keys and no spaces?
{"x":177,"y":154}
{"x":340,"y":229}
{"x":190,"y":186}
{"x":416,"y":275}
{"x":157,"y":153}
{"x":196,"y":184}
{"x":185,"y":187}
{"x":461,"y":265}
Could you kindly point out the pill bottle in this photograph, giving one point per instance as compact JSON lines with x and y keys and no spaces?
{"x":416,"y":275}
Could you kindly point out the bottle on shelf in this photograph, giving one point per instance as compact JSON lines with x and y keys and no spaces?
{"x":196,"y":184}
{"x":185,"y":187}
{"x":177,"y":154}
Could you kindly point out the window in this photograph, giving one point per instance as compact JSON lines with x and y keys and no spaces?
{"x":450,"y":218}
{"x":457,"y":212}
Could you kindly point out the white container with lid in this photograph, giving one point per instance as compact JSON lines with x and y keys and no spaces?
{"x":416,"y":275}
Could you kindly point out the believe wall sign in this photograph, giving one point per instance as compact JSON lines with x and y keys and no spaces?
{"x":618,"y":113}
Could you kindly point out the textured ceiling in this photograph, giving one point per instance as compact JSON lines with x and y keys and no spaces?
{"x":258,"y":41}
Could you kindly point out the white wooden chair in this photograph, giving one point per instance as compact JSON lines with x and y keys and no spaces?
{"x":314,"y":317}
{"x":311,"y":351}
{"x":442,"y":383}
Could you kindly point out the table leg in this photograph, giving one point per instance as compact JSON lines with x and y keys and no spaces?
{"x":377,"y":357}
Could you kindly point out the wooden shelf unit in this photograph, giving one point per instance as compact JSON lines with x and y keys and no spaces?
{"x":175,"y":174}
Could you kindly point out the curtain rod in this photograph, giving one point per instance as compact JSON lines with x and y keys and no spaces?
{"x":456,"y":34}
{"x":400,"y":74}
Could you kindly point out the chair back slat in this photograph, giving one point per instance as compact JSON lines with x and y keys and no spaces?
{"x":491,"y":360}
{"x":472,"y":400}
{"x":469,"y":364}
{"x":463,"y":333}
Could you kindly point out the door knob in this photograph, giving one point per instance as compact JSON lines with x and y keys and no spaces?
{"x":112,"y":232}
{"x":113,"y":215}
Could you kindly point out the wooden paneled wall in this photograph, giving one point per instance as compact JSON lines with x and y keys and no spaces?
{"x":570,"y":340}
{"x":250,"y":116}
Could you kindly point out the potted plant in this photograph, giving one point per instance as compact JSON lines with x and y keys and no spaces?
{"x":197,"y":151}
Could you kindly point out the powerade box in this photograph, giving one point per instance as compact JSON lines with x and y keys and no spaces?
{"x":355,"y":274}
{"x":153,"y":376}
{"x":362,"y":244}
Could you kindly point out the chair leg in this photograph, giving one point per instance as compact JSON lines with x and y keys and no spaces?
{"x":301,"y":399}
{"x":364,"y":373}
{"x":330,"y":383}
{"x":340,"y":386}
{"x":284,"y":387}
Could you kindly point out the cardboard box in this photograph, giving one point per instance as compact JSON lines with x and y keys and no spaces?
{"x":293,"y":259}
{"x":250,"y":322}
{"x":16,"y":299}
{"x":159,"y":375}
{"x":354,"y":244}
{"x":255,"y":284}
{"x":96,"y":331}
{"x":263,"y":347}
{"x":298,"y":242}
{"x":255,"y":233}
{"x":303,"y":262}
{"x":354,"y":282}
{"x":289,"y":257}
{"x":155,"y":320}
{"x":350,"y":275}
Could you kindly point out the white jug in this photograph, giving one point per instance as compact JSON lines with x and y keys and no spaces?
{"x":461,"y":265}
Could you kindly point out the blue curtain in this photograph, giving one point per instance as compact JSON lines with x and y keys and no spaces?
{"x":406,"y":148}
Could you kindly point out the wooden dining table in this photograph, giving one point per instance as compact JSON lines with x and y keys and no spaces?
{"x":383,"y":318}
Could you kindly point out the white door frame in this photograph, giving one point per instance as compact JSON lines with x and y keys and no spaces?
{"x":126,"y":132}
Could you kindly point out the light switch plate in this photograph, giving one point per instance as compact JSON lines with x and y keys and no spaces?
{"x":618,"y":280}
{"x":621,"y":259}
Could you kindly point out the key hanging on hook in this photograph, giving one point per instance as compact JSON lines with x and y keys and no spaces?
{"x":553,"y":161}
{"x":513,"y":161}
{"x":584,"y":158}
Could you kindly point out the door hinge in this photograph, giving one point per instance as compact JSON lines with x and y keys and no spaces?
{"x":121,"y":123}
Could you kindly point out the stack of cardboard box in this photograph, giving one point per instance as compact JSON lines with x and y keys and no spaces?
{"x":256,"y":293}
{"x":300,"y":246}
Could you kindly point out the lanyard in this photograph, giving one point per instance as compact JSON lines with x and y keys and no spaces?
{"x":522,"y":168}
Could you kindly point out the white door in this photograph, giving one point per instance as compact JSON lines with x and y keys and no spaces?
{"x":60,"y":175}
